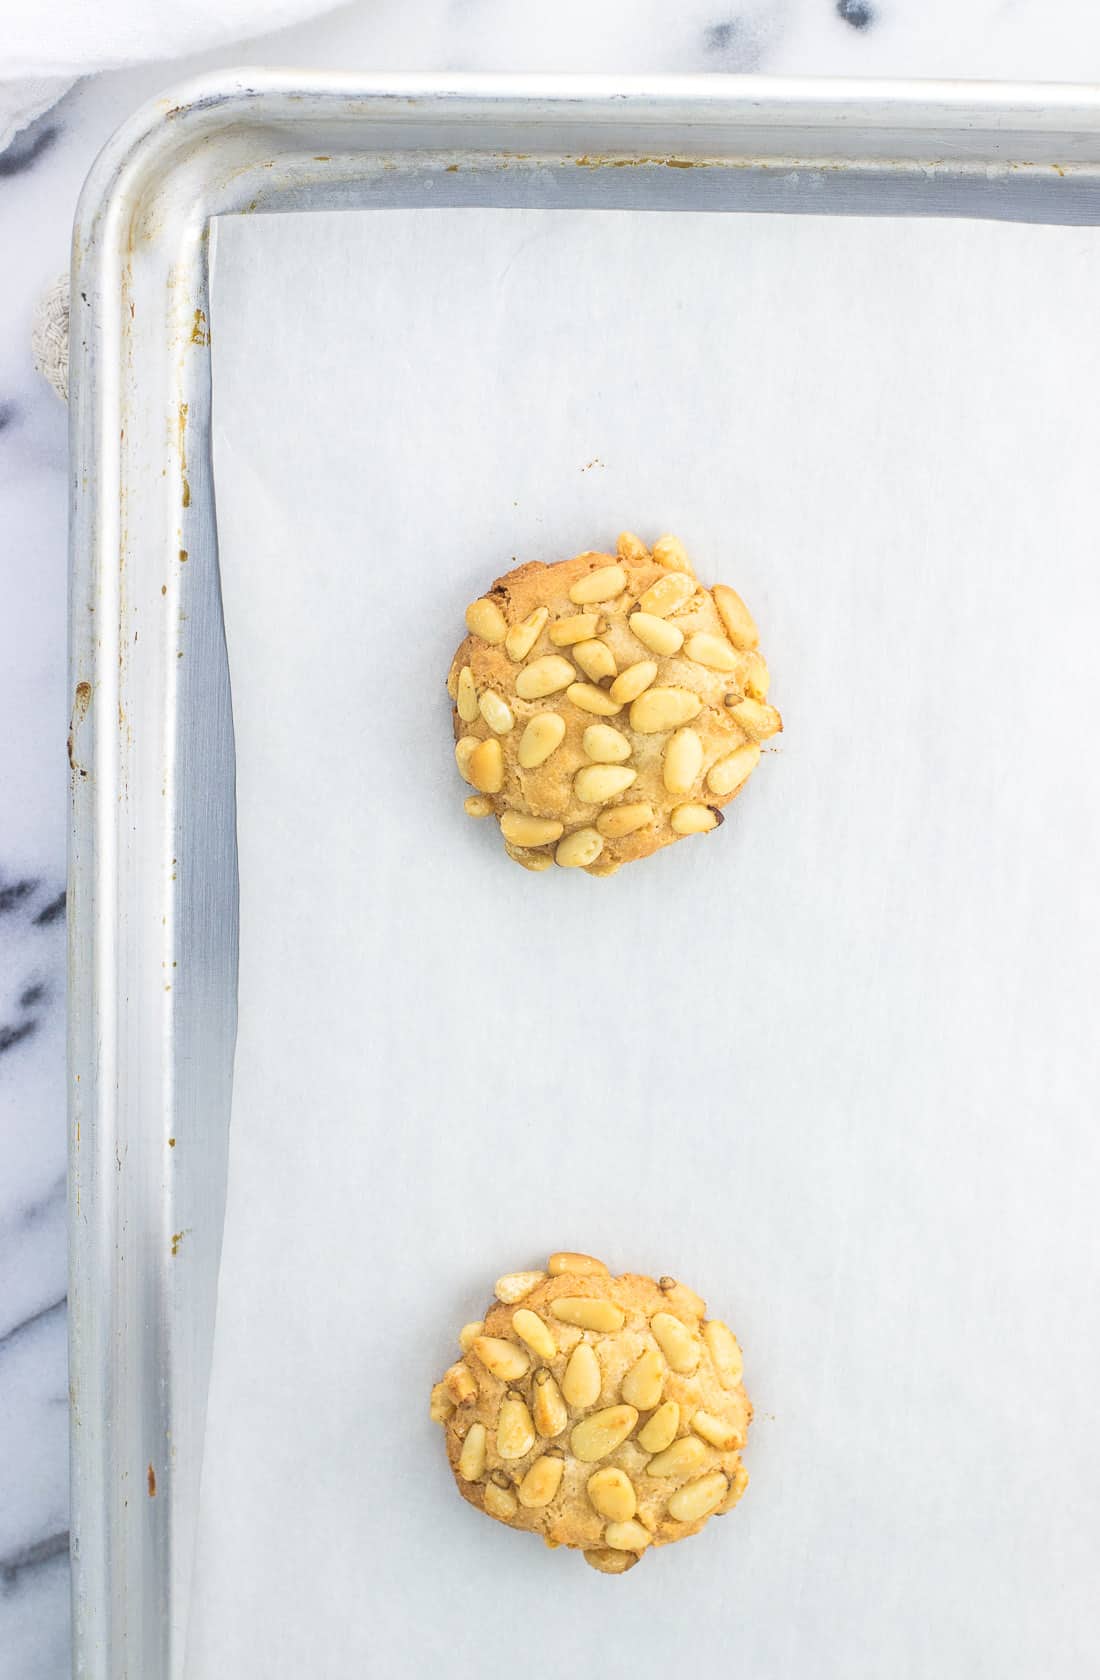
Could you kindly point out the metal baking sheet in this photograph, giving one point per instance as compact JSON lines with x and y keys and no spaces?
{"x":154,"y":844}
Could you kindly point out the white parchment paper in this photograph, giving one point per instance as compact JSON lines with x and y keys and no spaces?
{"x":834,"y":1065}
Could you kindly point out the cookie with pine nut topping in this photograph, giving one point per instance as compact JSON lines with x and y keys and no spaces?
{"x":607,"y":705}
{"x":602,"y":1413}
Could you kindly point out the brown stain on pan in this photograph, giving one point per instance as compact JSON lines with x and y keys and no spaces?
{"x":587,"y":161}
{"x":82,"y":699}
{"x":200,"y":330}
{"x":151,"y":1482}
{"x":181,"y":431}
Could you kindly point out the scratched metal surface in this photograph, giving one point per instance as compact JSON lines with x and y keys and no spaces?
{"x":153,"y":860}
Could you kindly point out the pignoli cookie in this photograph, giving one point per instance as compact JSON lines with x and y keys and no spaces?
{"x":602,"y":1413}
{"x":607,"y":705}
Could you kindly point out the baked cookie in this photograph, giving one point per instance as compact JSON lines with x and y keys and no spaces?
{"x":605,"y":1413}
{"x":607,"y":705}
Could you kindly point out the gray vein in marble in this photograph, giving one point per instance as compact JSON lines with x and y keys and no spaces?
{"x":28,"y":146}
{"x":42,"y":1206}
{"x":31,"y":1557}
{"x":53,"y":911}
{"x":13,"y":895}
{"x":859,"y":13}
{"x":12,"y":1036}
{"x":13,"y":1336}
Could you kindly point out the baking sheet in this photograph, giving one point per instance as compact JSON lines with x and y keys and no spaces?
{"x":830,"y":1065}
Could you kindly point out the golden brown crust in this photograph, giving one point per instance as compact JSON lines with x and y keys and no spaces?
{"x":709,"y":732}
{"x":524,"y":1408}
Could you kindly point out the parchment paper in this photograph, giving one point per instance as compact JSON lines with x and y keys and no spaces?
{"x":834,"y":1065}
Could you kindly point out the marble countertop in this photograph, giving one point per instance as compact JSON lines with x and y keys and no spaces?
{"x":40,"y":176}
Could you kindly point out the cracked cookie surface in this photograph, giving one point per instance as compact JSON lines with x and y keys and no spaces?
{"x":607,"y":705}
{"x":602,"y":1413}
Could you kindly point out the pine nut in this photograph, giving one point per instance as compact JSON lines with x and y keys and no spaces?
{"x":645,"y":1381}
{"x":496,"y":712}
{"x":466,"y":699}
{"x":596,"y":660}
{"x":679,"y":1346}
{"x":601,"y":585}
{"x":681,"y":1296}
{"x":612,"y":1494}
{"x":460,"y":1383}
{"x":718,"y":1431}
{"x":694,"y":819}
{"x":477,"y":806}
{"x":683,"y":761}
{"x":543,"y":735}
{"x":513,"y":1286}
{"x":757,"y":718}
{"x":738,"y":620}
{"x":485,"y":770}
{"x":485,"y":619}
{"x":597,"y":783}
{"x":579,"y":849}
{"x":469,"y":1333}
{"x":589,"y":698}
{"x":522,"y":637}
{"x":712,"y":651}
{"x":633,"y":681}
{"x":667,"y":594}
{"x":659,"y":709}
{"x":542,"y":1481}
{"x":568,"y":1263}
{"x":471,"y":1460}
{"x":725,"y":1352}
{"x":551,"y":1416}
{"x":598,"y":1435}
{"x":605,"y":745}
{"x":581,"y":627}
{"x":680,"y":1459}
{"x":515,"y":1429}
{"x":623,"y":820}
{"x":442,"y":1406}
{"x":500,"y":1502}
{"x":521,"y":830}
{"x":627,"y":1536}
{"x":464,"y":751}
{"x":630,"y":547}
{"x":609,"y":1562}
{"x":660,"y":1431}
{"x":697,"y":1499}
{"x":583,"y":1380}
{"x":587,"y":1313}
{"x":655,"y":634}
{"x":544,"y":676}
{"x":729,"y":773}
{"x":739,"y":1481}
{"x":530,"y":1328}
{"x":536,"y":862}
{"x":671,"y":553}
{"x":755,"y":676}
{"x":503,"y":1359}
